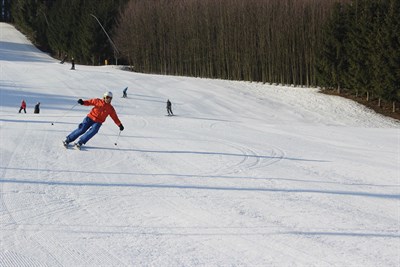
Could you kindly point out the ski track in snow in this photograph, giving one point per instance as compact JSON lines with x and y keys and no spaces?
{"x":246,"y":174}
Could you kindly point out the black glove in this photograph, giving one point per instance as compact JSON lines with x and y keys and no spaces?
{"x":80,"y":101}
{"x":121,"y":127}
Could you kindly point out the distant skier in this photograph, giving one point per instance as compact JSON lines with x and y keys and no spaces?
{"x":72,"y":64}
{"x":93,"y":121}
{"x":125,"y":95}
{"x":64,"y":59}
{"x":169,"y":108}
{"x":37,"y":108}
{"x":23,"y":106}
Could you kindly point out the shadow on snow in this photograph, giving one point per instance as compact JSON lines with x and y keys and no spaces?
{"x":198,"y":187}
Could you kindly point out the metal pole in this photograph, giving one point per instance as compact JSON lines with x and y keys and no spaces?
{"x":112,"y":43}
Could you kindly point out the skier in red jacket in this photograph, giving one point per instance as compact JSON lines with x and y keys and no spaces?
{"x":23,"y":106}
{"x":93,"y":121}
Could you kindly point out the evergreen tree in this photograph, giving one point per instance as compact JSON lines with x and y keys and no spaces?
{"x":24,"y":15}
{"x":378,"y":49}
{"x":74,"y":31}
{"x":391,"y":39}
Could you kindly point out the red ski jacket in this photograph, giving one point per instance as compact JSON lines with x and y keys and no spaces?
{"x":23,"y":104}
{"x":101,"y":110}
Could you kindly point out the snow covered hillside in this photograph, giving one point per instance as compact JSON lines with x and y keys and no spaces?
{"x":246,"y":174}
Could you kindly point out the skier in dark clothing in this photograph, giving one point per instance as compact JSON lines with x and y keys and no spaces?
{"x":64,"y":59}
{"x":125,"y":95}
{"x":72,"y":64}
{"x":169,"y":109}
{"x":23,"y":106}
{"x":92,"y":122}
{"x":37,"y":109}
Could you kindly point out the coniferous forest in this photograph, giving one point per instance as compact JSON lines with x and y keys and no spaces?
{"x":350,"y":46}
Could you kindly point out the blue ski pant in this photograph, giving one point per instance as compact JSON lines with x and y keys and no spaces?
{"x":88,"y":128}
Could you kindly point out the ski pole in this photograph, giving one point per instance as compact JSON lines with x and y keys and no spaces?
{"x":65,"y":113}
{"x":117,"y":138}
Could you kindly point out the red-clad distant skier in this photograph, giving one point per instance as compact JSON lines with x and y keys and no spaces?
{"x":23,"y":106}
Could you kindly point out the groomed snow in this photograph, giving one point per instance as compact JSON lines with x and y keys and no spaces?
{"x":246,"y":174}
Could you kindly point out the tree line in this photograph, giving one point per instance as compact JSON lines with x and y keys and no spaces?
{"x":350,"y":45}
{"x":69,"y":27}
{"x":256,"y":40}
{"x":361,"y":49}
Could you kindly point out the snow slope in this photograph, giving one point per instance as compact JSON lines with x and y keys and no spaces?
{"x":246,"y":174}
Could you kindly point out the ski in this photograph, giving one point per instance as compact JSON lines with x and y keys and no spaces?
{"x":65,"y":144}
{"x":78,"y":146}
